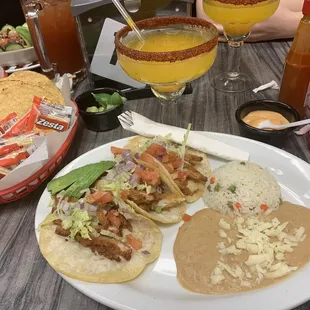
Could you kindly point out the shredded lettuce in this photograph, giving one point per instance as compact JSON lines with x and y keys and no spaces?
{"x":112,"y":235}
{"x":144,"y":146}
{"x":79,"y":222}
{"x":67,"y":223}
{"x":158,"y":139}
{"x":114,"y":186}
{"x":148,"y":188}
{"x":52,"y":203}
{"x":182,"y":148}
{"x":158,"y":209}
{"x":162,"y":139}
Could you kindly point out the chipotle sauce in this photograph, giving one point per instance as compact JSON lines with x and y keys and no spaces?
{"x":295,"y":86}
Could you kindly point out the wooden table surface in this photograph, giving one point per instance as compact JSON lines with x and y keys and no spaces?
{"x":26,"y":280}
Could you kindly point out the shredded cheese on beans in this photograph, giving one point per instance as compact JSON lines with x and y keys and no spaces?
{"x":265,"y":242}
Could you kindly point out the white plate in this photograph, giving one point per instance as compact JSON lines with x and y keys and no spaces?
{"x":157,"y":287}
{"x":18,"y":57}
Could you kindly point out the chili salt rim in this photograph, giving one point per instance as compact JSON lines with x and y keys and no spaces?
{"x":241,"y":2}
{"x":167,"y":56}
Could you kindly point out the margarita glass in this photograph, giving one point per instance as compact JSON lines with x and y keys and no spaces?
{"x":176,"y":50}
{"x":237,"y":18}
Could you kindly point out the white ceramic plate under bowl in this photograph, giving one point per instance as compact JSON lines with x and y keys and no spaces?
{"x":18,"y":57}
{"x":157,"y":287}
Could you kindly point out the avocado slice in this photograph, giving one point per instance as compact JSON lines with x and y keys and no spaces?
{"x":13,"y":47}
{"x":79,"y":179}
{"x":25,"y":35}
{"x":7,"y":27}
{"x":1,"y":50}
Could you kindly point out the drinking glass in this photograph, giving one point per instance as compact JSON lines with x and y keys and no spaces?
{"x":237,"y":18}
{"x":164,"y":60}
{"x":55,"y":38}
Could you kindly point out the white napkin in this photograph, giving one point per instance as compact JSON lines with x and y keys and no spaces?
{"x":273,"y":85}
{"x":145,"y":127}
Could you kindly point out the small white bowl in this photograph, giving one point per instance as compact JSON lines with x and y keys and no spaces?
{"x":19,"y":57}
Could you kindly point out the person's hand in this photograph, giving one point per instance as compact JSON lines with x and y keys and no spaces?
{"x":282,"y":25}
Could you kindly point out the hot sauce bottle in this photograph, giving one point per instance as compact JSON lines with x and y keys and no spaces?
{"x":295,"y":85}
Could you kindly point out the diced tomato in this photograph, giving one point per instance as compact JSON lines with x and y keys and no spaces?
{"x":156,"y":150}
{"x":182,"y":175}
{"x":177,"y":163}
{"x":117,"y":150}
{"x":186,"y":217}
{"x":212,"y":180}
{"x":238,"y":205}
{"x":166,"y":158}
{"x":173,"y":156}
{"x":133,"y":242}
{"x":150,"y":177}
{"x":264,"y":207}
{"x":124,"y":194}
{"x":100,"y":197}
{"x":147,"y":158}
{"x":169,"y":167}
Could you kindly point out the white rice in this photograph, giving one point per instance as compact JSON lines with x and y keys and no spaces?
{"x":242,"y":184}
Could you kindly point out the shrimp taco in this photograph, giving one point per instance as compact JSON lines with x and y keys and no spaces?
{"x":92,"y":235}
{"x":187,"y":169}
{"x":149,"y":191}
{"x":98,"y":239}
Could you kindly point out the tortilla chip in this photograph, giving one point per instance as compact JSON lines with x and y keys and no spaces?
{"x":18,"y":90}
{"x":30,"y":77}
{"x":79,"y":262}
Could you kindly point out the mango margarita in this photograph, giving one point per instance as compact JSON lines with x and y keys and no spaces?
{"x":238,"y":19}
{"x":162,"y":60}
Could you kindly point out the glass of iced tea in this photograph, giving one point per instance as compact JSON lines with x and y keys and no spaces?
{"x":55,"y":37}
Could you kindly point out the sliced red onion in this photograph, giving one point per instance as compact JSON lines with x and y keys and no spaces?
{"x":110,"y":176}
{"x":92,"y":208}
{"x":122,"y":175}
{"x":146,"y":252}
{"x":159,"y":190}
{"x":137,"y":156}
{"x":66,"y":208}
{"x":134,"y":180}
{"x":160,"y":158}
{"x":129,"y":165}
{"x":78,"y":206}
{"x":127,"y":156}
{"x":82,"y":205}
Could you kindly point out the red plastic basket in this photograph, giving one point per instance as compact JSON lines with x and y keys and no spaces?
{"x":25,"y":187}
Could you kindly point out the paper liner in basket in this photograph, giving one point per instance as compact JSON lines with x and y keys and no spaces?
{"x":47,"y":147}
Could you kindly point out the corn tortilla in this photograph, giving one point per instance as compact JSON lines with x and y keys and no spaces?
{"x":203,"y":167}
{"x":78,"y":262}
